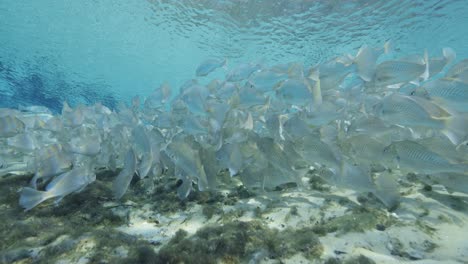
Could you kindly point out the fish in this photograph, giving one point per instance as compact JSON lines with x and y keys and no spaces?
{"x":315,"y":150}
{"x":295,"y":92}
{"x":412,"y":112}
{"x":414,"y":157}
{"x":188,"y":160}
{"x":10,"y":126}
{"x":366,"y":60}
{"x":158,"y":98}
{"x":331,"y":73}
{"x":439,"y":63}
{"x":231,"y":157}
{"x":387,"y":189}
{"x":362,"y":148}
{"x":458,"y":72}
{"x":402,"y":71}
{"x":266,"y":80}
{"x":72,"y":117}
{"x":51,"y":162}
{"x":24,"y":142}
{"x":122,"y":181}
{"x":242,"y":72}
{"x":247,"y":97}
{"x":195,"y":98}
{"x":143,"y":143}
{"x":449,"y":93}
{"x":208,"y":66}
{"x":359,"y":122}
{"x":86,"y":142}
{"x":69,"y":182}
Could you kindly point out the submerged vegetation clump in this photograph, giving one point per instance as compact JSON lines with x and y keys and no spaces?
{"x":359,"y":219}
{"x":239,"y":242}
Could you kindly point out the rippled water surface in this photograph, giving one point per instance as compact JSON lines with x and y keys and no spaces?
{"x":87,"y":51}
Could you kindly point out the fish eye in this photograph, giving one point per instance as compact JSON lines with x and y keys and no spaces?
{"x":413,"y":93}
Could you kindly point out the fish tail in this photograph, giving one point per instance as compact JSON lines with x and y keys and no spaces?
{"x":30,"y":198}
{"x":456,"y":129}
{"x":366,"y":66}
{"x":354,"y":176}
{"x":387,"y":190}
{"x":449,"y":54}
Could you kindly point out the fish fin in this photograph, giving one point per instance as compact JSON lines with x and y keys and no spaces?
{"x":122,"y":181}
{"x":388,"y":46}
{"x":30,"y":198}
{"x":425,"y":75}
{"x":456,"y":129}
{"x":314,"y":74}
{"x":387,"y":190}
{"x":449,"y":54}
{"x":395,"y":86}
{"x":349,"y":59}
{"x":353,"y":176}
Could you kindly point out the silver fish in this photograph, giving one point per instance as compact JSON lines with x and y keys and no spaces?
{"x":10,"y":126}
{"x":414,"y":157}
{"x":401,"y":71}
{"x":68,"y":182}
{"x":209,"y":65}
{"x":122,"y":181}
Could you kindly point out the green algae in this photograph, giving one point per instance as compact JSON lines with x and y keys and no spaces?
{"x":426,"y":228}
{"x":237,"y":242}
{"x":358,"y":219}
{"x":51,"y":232}
{"x":318,"y":183}
{"x":359,"y":260}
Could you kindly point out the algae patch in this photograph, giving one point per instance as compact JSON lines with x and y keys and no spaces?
{"x":359,"y":219}
{"x":239,"y":242}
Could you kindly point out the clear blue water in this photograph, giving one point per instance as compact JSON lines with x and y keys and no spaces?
{"x":88,"y":51}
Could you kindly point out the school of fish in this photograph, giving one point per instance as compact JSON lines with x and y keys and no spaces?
{"x":362,"y":121}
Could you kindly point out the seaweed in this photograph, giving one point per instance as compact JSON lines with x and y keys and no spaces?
{"x":237,"y":242}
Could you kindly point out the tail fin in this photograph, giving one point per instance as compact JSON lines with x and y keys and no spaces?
{"x":456,"y":129}
{"x":357,"y":177}
{"x":387,"y":189}
{"x":449,"y":54}
{"x":30,"y":198}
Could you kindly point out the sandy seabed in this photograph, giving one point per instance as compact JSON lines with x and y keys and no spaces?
{"x":315,"y":223}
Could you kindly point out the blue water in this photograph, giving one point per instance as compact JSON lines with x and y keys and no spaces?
{"x":111,"y":50}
